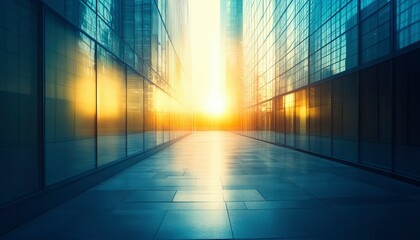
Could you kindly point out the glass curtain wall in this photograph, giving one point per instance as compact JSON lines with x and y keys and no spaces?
{"x":135,"y":113}
{"x":111,"y":108}
{"x":19,"y":134}
{"x":70,"y":101}
{"x":339,"y":76}
{"x":84,"y":69}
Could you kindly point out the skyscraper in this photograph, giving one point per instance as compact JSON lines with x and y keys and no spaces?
{"x":336,"y":78}
{"x":231,"y":33}
{"x":85,"y":86}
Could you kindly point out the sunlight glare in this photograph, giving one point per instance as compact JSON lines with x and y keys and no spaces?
{"x":214,"y":105}
{"x":208,"y":79}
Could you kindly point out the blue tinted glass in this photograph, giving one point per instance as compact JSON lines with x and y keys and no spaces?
{"x":70,"y":104}
{"x":111,"y":108}
{"x":407,"y":22}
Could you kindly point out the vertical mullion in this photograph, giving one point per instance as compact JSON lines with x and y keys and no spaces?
{"x":96,"y":106}
{"x":41,"y":95}
{"x":359,"y":155}
{"x":126,"y":111}
{"x":393,"y":31}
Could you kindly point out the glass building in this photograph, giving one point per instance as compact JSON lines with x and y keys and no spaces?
{"x":336,"y":78}
{"x":232,"y":59}
{"x":87,"y":86}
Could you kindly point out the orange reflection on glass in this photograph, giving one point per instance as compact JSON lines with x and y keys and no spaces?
{"x":85,"y":95}
{"x":289,"y":100}
{"x":110,"y":87}
{"x":301,"y":111}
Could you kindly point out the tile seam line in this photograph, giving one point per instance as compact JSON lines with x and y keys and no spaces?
{"x":227,"y":211}
{"x":160,"y":225}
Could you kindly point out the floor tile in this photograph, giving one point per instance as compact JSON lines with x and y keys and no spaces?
{"x":96,"y":199}
{"x":242,"y":195}
{"x":151,"y":196}
{"x":346,"y":189}
{"x":288,"y":223}
{"x":195,"y":225}
{"x":296,"y":193}
{"x":135,"y":175}
{"x":113,"y":225}
{"x":235,"y":205}
{"x":198,"y":196}
{"x":172,"y":206}
{"x":285,"y":204}
{"x":42,"y":226}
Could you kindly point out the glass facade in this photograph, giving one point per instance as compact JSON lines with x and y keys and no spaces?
{"x":328,"y":77}
{"x":231,"y":21}
{"x":111,"y":108}
{"x":407,"y":22}
{"x":19,"y":134}
{"x":135,"y":113}
{"x":375,"y":29}
{"x":70,"y":101}
{"x":87,"y":83}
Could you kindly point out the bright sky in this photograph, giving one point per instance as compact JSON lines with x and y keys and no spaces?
{"x":207,"y":79}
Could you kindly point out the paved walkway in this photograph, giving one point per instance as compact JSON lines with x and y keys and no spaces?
{"x":221,"y":185}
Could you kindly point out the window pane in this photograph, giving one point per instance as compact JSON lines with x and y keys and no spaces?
{"x":407,"y":22}
{"x":134,"y":113}
{"x":18,"y":99}
{"x":70,"y":104}
{"x":111,"y":108}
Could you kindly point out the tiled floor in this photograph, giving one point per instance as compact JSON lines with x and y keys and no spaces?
{"x":221,"y":185}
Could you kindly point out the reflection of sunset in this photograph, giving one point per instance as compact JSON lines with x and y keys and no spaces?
{"x":85,"y":100}
{"x":108,"y":101}
{"x":289,"y":100}
{"x":109,"y":94}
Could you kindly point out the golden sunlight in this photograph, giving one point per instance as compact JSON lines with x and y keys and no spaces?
{"x":207,"y":77}
{"x":214,"y":105}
